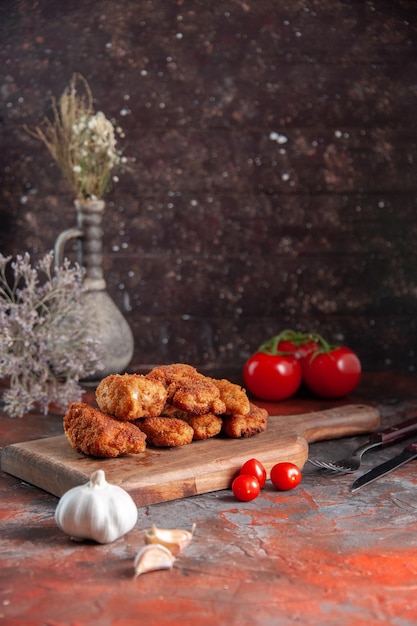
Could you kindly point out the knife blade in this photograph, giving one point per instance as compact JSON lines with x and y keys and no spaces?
{"x":408,"y":454}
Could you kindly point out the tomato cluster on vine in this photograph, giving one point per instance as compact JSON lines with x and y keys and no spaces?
{"x":283,"y":362}
{"x":252,"y":477}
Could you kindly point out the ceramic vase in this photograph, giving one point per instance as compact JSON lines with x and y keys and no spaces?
{"x":108,"y":325}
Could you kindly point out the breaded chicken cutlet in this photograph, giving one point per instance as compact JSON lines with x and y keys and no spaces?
{"x":204,"y":426}
{"x":166,"y":432}
{"x":189,"y":390}
{"x":253,"y":423}
{"x":170,"y":406}
{"x":94,"y":433}
{"x":130,"y":396}
{"x":234,"y":396}
{"x":167,"y":374}
{"x":198,"y":396}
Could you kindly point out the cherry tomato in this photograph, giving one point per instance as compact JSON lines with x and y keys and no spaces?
{"x":285,"y":476}
{"x":245,"y":487}
{"x":332,"y":374}
{"x":253,"y":467}
{"x":272,"y":377}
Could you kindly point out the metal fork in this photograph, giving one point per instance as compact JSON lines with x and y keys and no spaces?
{"x":380,"y":439}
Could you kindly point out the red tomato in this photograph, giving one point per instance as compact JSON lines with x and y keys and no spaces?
{"x":272,"y":377}
{"x":332,"y":374}
{"x":285,"y":476}
{"x":254,"y":468}
{"x":246,"y":487}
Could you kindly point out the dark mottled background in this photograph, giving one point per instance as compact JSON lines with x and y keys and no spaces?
{"x":274,"y":158}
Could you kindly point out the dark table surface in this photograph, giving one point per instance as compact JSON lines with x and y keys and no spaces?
{"x":318,"y":554}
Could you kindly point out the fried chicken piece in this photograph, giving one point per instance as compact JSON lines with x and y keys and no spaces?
{"x":94,"y":433}
{"x":204,"y":426}
{"x":172,"y":375}
{"x":234,"y":397}
{"x":168,"y":374}
{"x":198,"y":396}
{"x":189,"y":390}
{"x":254,"y":422}
{"x":130,"y":396}
{"x":166,"y":432}
{"x":172,"y":411}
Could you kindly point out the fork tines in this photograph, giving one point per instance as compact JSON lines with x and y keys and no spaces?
{"x":337,"y":467}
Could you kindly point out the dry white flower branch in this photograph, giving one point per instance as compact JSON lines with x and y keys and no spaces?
{"x":81,"y":142}
{"x":45,"y":347}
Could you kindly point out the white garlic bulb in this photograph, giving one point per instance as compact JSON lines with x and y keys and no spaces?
{"x":97,"y":510}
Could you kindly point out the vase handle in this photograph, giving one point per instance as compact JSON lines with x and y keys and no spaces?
{"x":61,"y":240}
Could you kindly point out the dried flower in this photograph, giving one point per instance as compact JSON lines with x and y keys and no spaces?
{"x":45,"y":347}
{"x":81,"y":142}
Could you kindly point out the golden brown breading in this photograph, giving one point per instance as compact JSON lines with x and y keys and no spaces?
{"x":189,"y":390}
{"x":130,"y":396}
{"x":166,"y":432}
{"x":171,"y":406}
{"x":205,"y":426}
{"x":198,"y":395}
{"x":234,"y":397}
{"x":172,"y":411}
{"x":94,"y":433}
{"x":168,"y":374}
{"x":254,"y":422}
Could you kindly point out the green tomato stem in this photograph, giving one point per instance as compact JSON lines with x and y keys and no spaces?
{"x":298,"y":338}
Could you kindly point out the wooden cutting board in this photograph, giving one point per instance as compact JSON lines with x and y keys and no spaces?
{"x":159,"y":475}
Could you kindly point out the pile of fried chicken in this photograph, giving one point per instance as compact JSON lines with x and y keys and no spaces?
{"x":170,"y":406}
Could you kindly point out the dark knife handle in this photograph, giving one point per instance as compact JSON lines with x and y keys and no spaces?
{"x":400,"y":431}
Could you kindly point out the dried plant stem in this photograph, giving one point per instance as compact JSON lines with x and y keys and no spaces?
{"x":81,"y":142}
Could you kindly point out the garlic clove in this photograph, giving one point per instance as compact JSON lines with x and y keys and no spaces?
{"x":174,"y":539}
{"x":151,"y":558}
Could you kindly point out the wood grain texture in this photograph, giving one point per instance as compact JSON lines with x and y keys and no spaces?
{"x":159,"y":475}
